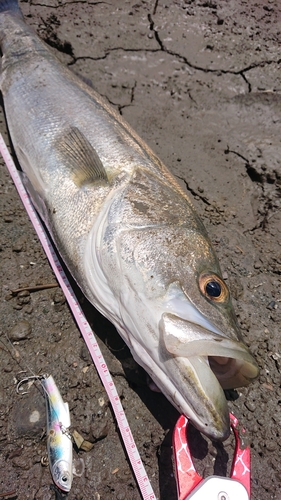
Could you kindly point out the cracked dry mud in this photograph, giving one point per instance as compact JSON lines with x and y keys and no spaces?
{"x":200,"y":82}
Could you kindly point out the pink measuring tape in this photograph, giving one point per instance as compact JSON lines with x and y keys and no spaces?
{"x":85,"y":329}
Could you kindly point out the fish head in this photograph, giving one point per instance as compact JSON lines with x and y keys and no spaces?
{"x":62,"y":475}
{"x":200,"y":318}
{"x":193,"y":348}
{"x":160,"y":283}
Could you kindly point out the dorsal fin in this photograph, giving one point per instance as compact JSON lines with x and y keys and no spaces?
{"x":81,"y":158}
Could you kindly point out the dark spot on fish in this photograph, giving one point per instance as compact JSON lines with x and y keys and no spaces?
{"x":141,"y":207}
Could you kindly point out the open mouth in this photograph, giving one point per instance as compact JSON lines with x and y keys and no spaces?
{"x":232,"y":372}
{"x":204,"y":363}
{"x":230,"y":360}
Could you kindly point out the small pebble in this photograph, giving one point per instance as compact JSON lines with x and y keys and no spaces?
{"x":44,"y":493}
{"x":271,"y":445}
{"x":71,"y":358}
{"x":250,"y":405}
{"x":28,"y":309}
{"x":18,"y":307}
{"x":20,"y":331}
{"x":22,"y":462}
{"x":99,"y":429}
{"x":23,"y":297}
{"x":6,"y":366}
{"x":74,"y":382}
{"x":8,"y":218}
{"x":85,"y":354}
{"x":15,"y":453}
{"x":271,"y":305}
{"x":59,"y":297}
{"x":20,"y":244}
{"x":34,"y":416}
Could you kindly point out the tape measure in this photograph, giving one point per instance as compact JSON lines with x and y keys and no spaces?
{"x":85,"y":329}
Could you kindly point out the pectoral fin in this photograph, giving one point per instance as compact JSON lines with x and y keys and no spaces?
{"x":81,"y":158}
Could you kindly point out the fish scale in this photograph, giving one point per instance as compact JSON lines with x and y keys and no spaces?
{"x":128,"y":233}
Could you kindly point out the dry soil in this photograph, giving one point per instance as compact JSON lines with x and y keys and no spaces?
{"x":200,"y":82}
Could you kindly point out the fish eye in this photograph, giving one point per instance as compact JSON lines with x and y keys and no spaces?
{"x":213,"y":287}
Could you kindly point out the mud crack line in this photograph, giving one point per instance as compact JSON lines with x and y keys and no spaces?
{"x":218,"y":71}
{"x":63,"y":4}
{"x":193,"y":192}
{"x":122,"y":106}
{"x":251,"y":171}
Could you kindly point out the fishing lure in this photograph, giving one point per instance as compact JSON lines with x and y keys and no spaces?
{"x":59,"y":440}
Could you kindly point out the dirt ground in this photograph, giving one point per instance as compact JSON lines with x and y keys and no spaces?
{"x":200,"y":82}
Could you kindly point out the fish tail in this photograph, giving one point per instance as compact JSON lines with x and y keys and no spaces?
{"x":10,"y":6}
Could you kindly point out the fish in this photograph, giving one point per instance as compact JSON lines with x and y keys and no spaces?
{"x":127,"y":231}
{"x":59,"y":440}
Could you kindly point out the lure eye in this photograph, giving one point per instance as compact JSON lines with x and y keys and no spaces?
{"x":213,"y":287}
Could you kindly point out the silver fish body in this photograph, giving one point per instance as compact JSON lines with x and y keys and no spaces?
{"x":127,"y":231}
{"x":59,"y":442}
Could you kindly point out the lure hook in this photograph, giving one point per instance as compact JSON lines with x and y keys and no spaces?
{"x":26,"y":380}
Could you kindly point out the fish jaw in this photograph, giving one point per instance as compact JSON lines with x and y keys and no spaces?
{"x":177,"y":378}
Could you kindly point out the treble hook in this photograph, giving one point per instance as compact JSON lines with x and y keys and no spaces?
{"x":27,"y":379}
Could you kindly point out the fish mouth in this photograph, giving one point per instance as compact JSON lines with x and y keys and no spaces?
{"x":206,"y":364}
{"x":230,"y":360}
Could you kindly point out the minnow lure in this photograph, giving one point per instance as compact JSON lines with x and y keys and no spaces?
{"x":59,"y":441}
